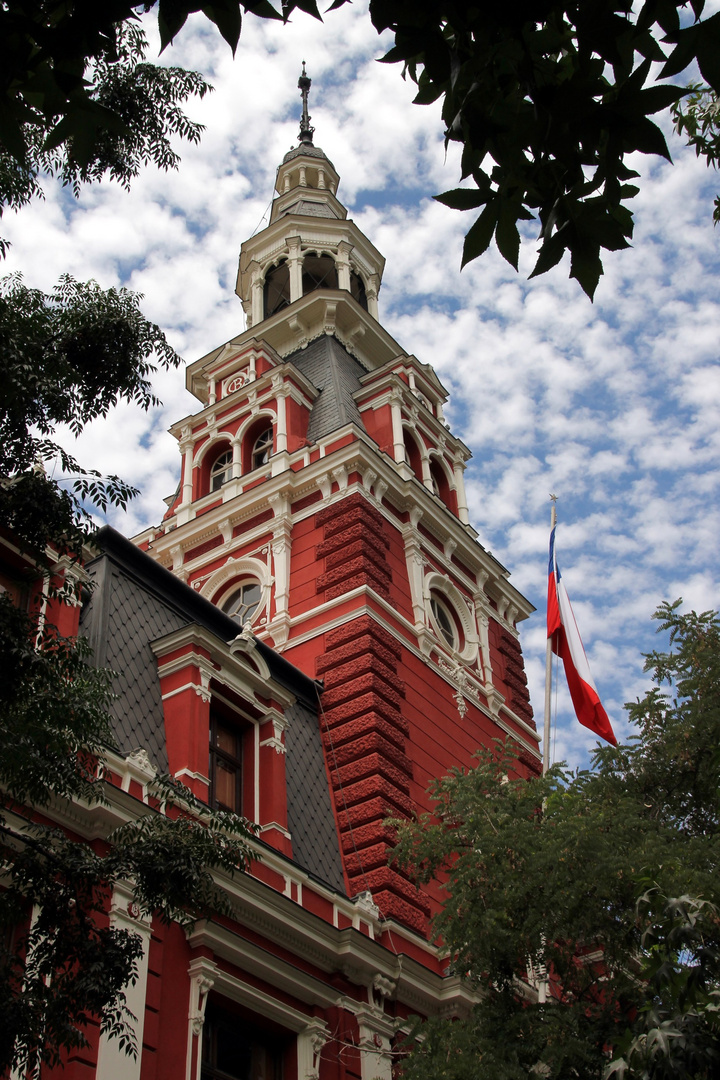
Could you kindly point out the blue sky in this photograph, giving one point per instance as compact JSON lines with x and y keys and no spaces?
{"x":613,"y":406}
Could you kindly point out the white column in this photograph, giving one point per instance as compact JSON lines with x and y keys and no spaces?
{"x":397,"y":429}
{"x":459,"y":469}
{"x":256,"y":293}
{"x":237,"y":457}
{"x":371,"y":291}
{"x":295,"y":264}
{"x":281,"y":433}
{"x":113,"y":1062}
{"x":343,"y":265}
{"x":186,"y":448}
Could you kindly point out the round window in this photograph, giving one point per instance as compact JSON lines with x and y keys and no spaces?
{"x":242,"y":602}
{"x":444,"y":621}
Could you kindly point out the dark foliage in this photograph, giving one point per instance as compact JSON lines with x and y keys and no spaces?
{"x":585,"y":909}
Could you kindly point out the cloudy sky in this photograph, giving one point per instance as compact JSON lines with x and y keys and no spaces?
{"x":612,"y":406}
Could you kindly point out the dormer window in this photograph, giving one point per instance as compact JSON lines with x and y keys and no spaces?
{"x":262,"y":448}
{"x":319,"y":272}
{"x":277,"y":289}
{"x":221,"y":470}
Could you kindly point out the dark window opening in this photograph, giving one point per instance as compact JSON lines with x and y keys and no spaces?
{"x":221,"y":470}
{"x":319,"y":272}
{"x":412,"y":455}
{"x":357,"y":290}
{"x":444,"y":620}
{"x":262,"y":448}
{"x":225,"y":765}
{"x":234,"y":1049}
{"x":439,"y":481}
{"x":277,"y":289}
{"x":242,"y":602}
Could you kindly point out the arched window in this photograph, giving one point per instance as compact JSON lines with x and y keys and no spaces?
{"x":277,"y":289}
{"x":242,"y":601}
{"x":357,"y":290}
{"x":319,"y":272}
{"x":262,"y":448}
{"x":221,"y":470}
{"x":412,"y":454}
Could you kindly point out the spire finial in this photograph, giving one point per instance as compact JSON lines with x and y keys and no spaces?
{"x":306,"y":132}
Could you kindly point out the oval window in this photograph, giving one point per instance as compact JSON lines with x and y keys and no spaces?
{"x":444,"y":621}
{"x":242,"y":602}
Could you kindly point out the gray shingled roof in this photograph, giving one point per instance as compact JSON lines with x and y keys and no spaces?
{"x":310,"y":816}
{"x":336,"y":374}
{"x":306,"y":150}
{"x":121,"y":619}
{"x":310,"y":208}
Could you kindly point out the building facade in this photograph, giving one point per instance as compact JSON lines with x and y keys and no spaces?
{"x":310,"y":637}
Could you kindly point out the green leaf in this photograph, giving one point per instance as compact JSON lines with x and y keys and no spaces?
{"x":462,"y":198}
{"x":550,"y":254}
{"x":481,"y":232}
{"x":586,"y":267}
{"x":225,"y":14}
{"x":507,"y":236}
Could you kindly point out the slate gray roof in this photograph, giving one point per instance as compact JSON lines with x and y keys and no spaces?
{"x":310,"y":208}
{"x":310,"y":815}
{"x":136,"y":601}
{"x":120,"y":620}
{"x":336,"y":374}
{"x":306,"y":150}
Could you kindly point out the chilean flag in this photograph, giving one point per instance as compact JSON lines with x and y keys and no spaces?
{"x":565,"y":638}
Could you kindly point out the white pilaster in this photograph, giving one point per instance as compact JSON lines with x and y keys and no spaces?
{"x":202,"y":974}
{"x":113,"y":1062}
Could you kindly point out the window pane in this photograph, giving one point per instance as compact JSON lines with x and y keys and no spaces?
{"x":243,"y":602}
{"x":262,"y":449}
{"x":226,"y":776}
{"x":443,"y":620}
{"x":226,"y":740}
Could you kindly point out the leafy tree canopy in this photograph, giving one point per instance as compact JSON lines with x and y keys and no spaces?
{"x":548,"y":99}
{"x":585,"y":909}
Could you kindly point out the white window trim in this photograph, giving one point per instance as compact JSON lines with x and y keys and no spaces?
{"x":453,"y":598}
{"x":239,"y":570}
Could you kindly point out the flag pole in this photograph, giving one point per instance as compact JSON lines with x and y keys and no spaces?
{"x":548,"y":672}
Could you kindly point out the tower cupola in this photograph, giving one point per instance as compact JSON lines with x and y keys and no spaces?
{"x":309,"y":245}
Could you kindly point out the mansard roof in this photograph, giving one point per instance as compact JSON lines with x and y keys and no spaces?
{"x":136,"y":601}
{"x":336,"y":374}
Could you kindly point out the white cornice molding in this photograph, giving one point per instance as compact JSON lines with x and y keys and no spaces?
{"x":360,"y":456}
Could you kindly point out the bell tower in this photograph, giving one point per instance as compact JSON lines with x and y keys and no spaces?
{"x":322,"y":501}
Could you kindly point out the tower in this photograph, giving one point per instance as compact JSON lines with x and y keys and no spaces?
{"x":322,"y":501}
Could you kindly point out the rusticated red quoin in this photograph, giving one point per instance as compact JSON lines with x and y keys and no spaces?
{"x":354,"y":547}
{"x":364,"y":734}
{"x":515,"y":678}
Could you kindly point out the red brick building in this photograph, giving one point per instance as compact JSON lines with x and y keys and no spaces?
{"x":311,"y":636}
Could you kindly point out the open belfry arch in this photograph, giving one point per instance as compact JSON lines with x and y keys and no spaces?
{"x":321,"y":509}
